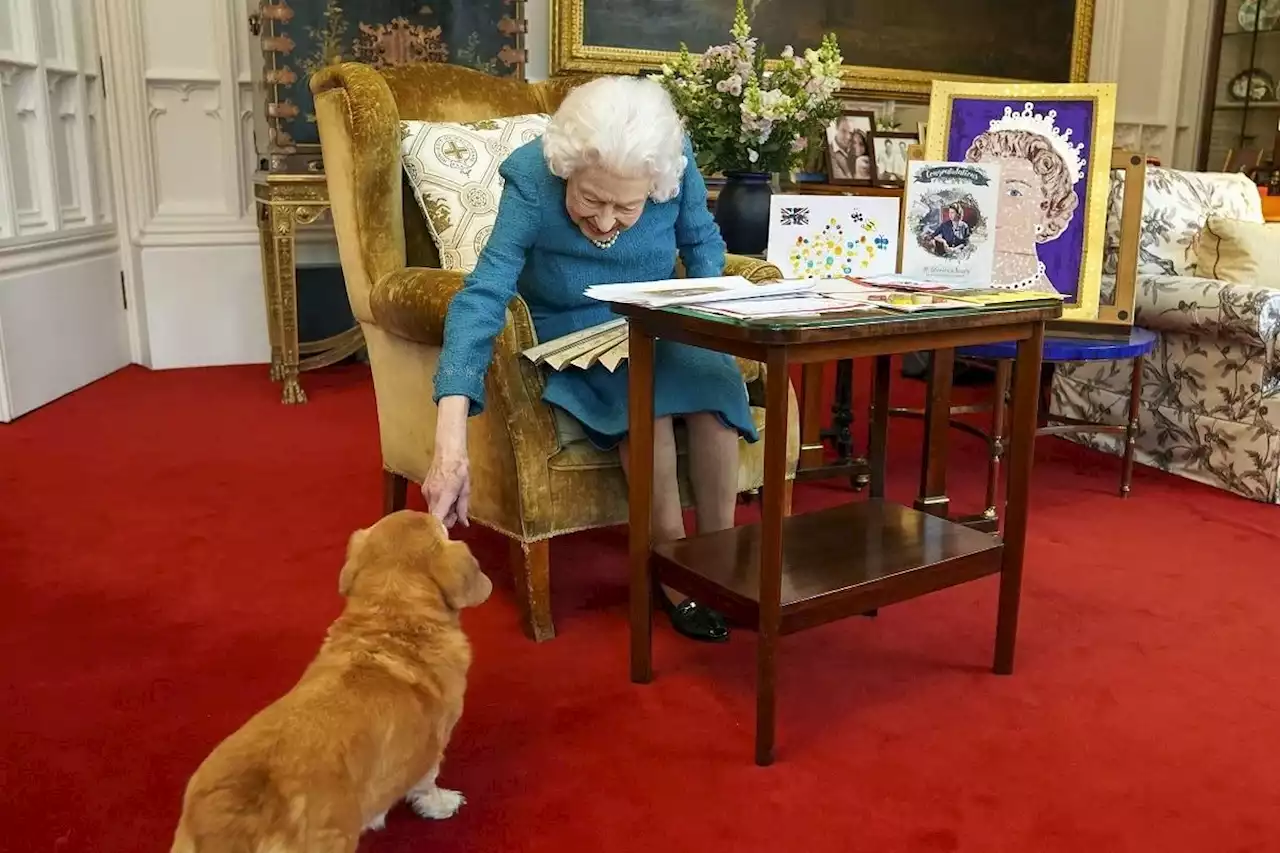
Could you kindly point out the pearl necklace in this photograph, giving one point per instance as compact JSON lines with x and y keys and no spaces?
{"x":604,"y":244}
{"x":1023,"y":283}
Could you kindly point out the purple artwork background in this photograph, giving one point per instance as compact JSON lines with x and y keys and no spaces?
{"x":1063,"y":258}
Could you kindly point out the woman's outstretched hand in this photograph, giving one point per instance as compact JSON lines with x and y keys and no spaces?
{"x":447,"y":489}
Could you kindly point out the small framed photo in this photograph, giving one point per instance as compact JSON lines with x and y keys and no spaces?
{"x":849,"y":156}
{"x":890,"y":151}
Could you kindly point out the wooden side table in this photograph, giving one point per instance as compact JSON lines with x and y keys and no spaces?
{"x":784,"y":575}
{"x":285,"y":202}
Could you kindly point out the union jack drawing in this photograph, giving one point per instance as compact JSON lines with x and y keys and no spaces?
{"x":795,"y":216}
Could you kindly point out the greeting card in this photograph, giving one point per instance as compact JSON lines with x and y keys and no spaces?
{"x":813,"y":236}
{"x":951,"y":213}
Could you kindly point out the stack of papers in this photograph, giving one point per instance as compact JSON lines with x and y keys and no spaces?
{"x":735,"y":296}
{"x":902,"y":282}
{"x":693,"y":291}
{"x":730,"y":296}
{"x":796,"y":305}
{"x":979,"y":294}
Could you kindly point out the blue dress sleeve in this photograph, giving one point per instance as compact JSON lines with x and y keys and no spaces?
{"x":697,"y":235}
{"x":479,"y":311}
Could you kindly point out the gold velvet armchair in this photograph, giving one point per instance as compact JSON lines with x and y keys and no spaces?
{"x":525,"y":484}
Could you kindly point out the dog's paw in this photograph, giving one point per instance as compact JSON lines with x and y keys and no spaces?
{"x":437,"y":804}
{"x":376,"y":823}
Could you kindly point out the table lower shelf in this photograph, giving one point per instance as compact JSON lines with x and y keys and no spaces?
{"x":836,"y":562}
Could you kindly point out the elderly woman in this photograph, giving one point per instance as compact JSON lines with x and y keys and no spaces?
{"x":609,"y":194}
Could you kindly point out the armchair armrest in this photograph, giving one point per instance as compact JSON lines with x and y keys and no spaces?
{"x":1246,"y":313}
{"x":752,"y":269}
{"x":412,"y":303}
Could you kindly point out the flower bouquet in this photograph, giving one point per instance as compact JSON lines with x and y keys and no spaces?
{"x":749,"y":120}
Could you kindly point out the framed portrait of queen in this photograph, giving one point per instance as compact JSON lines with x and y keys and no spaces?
{"x":1053,"y":145}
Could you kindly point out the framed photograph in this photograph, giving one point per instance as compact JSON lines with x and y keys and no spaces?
{"x":891,"y":150}
{"x":1053,"y":145}
{"x":848,"y":148}
{"x":900,"y":47}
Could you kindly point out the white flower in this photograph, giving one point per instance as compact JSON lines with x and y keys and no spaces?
{"x":752,"y":155}
{"x":731,"y":84}
{"x":798,"y":145}
{"x":787,"y":52}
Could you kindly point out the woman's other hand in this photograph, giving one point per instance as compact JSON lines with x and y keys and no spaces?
{"x":447,"y":489}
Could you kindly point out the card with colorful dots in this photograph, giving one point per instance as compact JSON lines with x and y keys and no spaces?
{"x":813,"y":236}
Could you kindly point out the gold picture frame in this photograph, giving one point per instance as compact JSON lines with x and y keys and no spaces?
{"x":570,"y":54}
{"x":1074,"y":252}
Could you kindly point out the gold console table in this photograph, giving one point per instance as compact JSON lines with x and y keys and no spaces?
{"x":285,"y":202}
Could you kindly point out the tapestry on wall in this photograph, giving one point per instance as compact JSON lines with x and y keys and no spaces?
{"x":302,"y":36}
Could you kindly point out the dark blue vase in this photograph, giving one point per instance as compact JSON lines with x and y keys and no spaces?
{"x":742,"y":212}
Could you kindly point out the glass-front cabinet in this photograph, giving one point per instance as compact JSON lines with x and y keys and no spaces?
{"x":1242,"y":106}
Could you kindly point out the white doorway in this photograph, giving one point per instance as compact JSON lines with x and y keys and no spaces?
{"x":63,"y":320}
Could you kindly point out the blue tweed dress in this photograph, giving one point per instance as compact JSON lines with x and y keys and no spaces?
{"x":536,"y":250}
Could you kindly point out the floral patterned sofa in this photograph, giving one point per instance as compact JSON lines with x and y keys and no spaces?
{"x":1211,"y":390}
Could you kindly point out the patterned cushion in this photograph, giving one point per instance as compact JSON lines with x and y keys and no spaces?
{"x":1239,"y":252}
{"x":453,"y":169}
{"x":1175,"y":206}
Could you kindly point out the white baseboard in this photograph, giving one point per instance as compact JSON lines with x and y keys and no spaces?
{"x":204,"y":306}
{"x":62,"y":324}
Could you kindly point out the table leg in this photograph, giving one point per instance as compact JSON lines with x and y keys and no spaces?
{"x":1023,"y":422}
{"x":1131,"y":428}
{"x":811,"y":446}
{"x":640,"y":496}
{"x":937,"y":424}
{"x":771,"y":515}
{"x":283,"y":228}
{"x":270,"y":289}
{"x":999,"y":402}
{"x":878,"y":433}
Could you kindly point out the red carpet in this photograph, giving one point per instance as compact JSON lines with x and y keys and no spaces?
{"x":169,"y":549}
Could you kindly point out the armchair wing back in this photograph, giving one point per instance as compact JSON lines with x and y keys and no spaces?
{"x":527,"y":483}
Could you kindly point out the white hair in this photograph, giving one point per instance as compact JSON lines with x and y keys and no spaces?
{"x":625,"y":125}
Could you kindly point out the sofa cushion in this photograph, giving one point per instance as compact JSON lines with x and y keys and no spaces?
{"x":1175,"y":206}
{"x":453,"y":170}
{"x":1239,"y":252}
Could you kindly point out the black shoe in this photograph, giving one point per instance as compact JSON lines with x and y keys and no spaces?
{"x":692,"y":619}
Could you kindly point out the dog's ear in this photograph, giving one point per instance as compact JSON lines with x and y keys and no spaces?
{"x":348,"y":574}
{"x":460,"y":579}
